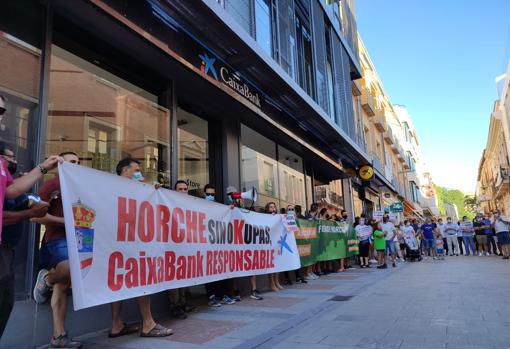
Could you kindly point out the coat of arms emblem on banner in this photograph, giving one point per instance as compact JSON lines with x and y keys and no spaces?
{"x":84,"y":217}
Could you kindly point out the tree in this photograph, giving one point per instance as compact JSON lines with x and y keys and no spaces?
{"x":466,"y":204}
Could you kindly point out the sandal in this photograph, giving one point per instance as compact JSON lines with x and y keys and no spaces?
{"x":157,"y":331}
{"x":126,"y":330}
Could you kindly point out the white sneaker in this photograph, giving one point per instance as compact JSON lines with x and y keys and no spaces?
{"x":434,"y":258}
{"x":373,"y":261}
{"x":480,"y":254}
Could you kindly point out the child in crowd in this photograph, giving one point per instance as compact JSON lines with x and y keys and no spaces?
{"x":380,"y":245}
{"x":439,"y":246}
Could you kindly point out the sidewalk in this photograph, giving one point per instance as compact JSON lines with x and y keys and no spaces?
{"x":461,"y":302}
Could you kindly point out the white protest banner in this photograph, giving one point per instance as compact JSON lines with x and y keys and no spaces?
{"x":127,"y":239}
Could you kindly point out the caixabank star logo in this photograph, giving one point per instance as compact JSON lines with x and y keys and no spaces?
{"x":84,"y":218}
{"x":207,"y":65}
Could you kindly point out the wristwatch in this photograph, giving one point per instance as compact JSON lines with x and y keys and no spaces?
{"x":42,"y":169}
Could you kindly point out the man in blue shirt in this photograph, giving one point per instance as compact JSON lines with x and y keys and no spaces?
{"x":427,"y":231}
{"x":489,"y":232}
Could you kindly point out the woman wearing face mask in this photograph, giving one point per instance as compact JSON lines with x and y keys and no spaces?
{"x":274,"y":278}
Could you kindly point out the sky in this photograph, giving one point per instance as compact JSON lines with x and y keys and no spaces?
{"x":440,"y":59}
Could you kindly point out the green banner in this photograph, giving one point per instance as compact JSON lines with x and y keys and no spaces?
{"x":322,"y":240}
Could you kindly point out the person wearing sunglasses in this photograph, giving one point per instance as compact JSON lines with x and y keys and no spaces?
{"x":15,"y":211}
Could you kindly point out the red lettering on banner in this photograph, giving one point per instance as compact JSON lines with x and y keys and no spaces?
{"x":143,"y":271}
{"x":239,"y":260}
{"x":115,"y":261}
{"x":169,"y":265}
{"x":263,"y":259}
{"x":178,"y":233}
{"x":201,"y":227}
{"x":146,"y":222}
{"x":126,"y":216}
{"x":215,"y":259}
{"x":191,"y":226}
{"x":200,"y":265}
{"x":247,"y":260}
{"x":191,"y":266}
{"x":162,"y":219}
{"x":131,"y":278}
{"x":220,"y":262}
{"x":225,"y":261}
{"x":238,"y":231}
{"x":271,"y":264}
{"x":160,"y":269}
{"x":255,"y":260}
{"x":209,"y":263}
{"x":152,"y":274}
{"x":181,"y":267}
{"x":232,"y":259}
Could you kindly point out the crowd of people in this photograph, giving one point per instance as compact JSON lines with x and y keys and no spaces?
{"x":380,"y":242}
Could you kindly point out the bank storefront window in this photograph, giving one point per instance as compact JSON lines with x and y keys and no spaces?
{"x":103,"y":118}
{"x":193,"y":151}
{"x":274,"y":171}
{"x":19,"y":87}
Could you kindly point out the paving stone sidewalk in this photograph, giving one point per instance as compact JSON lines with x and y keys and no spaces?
{"x":460,"y":302}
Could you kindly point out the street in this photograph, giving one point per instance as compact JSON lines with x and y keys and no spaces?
{"x":460,"y":302}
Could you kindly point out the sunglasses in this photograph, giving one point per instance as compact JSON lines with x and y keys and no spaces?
{"x":210,"y":194}
{"x":2,"y":110}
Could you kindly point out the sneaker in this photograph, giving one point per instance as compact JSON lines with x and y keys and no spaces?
{"x":178,"y":313}
{"x":227,"y":300}
{"x":213,"y":302}
{"x":41,"y":287}
{"x":308,"y":278}
{"x":237,"y":298}
{"x":373,"y":261}
{"x":505,"y":257}
{"x":380,"y":267}
{"x":393,"y":264}
{"x":384,"y":266}
{"x":256,"y":295}
{"x":287,"y":282}
{"x":434,"y":258}
{"x":480,"y":254}
{"x":63,"y":341}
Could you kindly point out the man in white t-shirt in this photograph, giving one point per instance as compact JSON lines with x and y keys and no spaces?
{"x":389,"y":228}
{"x":502,"y":227}
{"x":451,"y":229}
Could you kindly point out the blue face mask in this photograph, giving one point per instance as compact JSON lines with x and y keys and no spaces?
{"x":137,"y":176}
{"x":209,"y":197}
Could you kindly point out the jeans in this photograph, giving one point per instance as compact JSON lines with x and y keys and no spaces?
{"x":460,"y":241}
{"x":445,"y":244}
{"x":453,"y":244}
{"x":491,"y":244}
{"x":469,"y":242}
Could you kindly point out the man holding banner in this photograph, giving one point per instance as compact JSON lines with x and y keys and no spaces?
{"x":130,"y":168}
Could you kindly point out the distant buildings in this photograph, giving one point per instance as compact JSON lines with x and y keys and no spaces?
{"x":493,"y":183}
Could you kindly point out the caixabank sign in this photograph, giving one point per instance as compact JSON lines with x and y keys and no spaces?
{"x":210,"y":66}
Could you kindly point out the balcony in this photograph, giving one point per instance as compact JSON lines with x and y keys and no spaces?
{"x":412,"y":176}
{"x":376,"y":163}
{"x":400,"y":155}
{"x":380,"y":121}
{"x":356,"y":87}
{"x":367,"y":102}
{"x":502,"y":182}
{"x":388,"y":137}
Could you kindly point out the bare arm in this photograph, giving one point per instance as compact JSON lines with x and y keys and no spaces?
{"x":15,"y":217}
{"x":49,"y":219}
{"x":24,"y":183}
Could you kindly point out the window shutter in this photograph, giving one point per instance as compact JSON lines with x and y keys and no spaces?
{"x":286,"y":35}
{"x":343,"y":90}
{"x":319,"y":42}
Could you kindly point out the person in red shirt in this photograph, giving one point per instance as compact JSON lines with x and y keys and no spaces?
{"x":53,"y":259}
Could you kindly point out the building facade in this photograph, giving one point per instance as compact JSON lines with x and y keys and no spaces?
{"x":493,"y":182}
{"x":251,"y":93}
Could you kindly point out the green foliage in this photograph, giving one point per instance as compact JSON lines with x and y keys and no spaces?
{"x":466,"y":204}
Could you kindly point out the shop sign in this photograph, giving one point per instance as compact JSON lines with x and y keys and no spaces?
{"x":397,"y":207}
{"x":225,"y":76}
{"x":378,"y":215}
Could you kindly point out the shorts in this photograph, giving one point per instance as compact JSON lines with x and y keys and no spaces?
{"x":440,"y":250}
{"x":52,"y":253}
{"x":503,"y":237}
{"x":481,"y":239}
{"x":364,"y":248}
{"x":390,"y":246}
{"x":429,"y":243}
